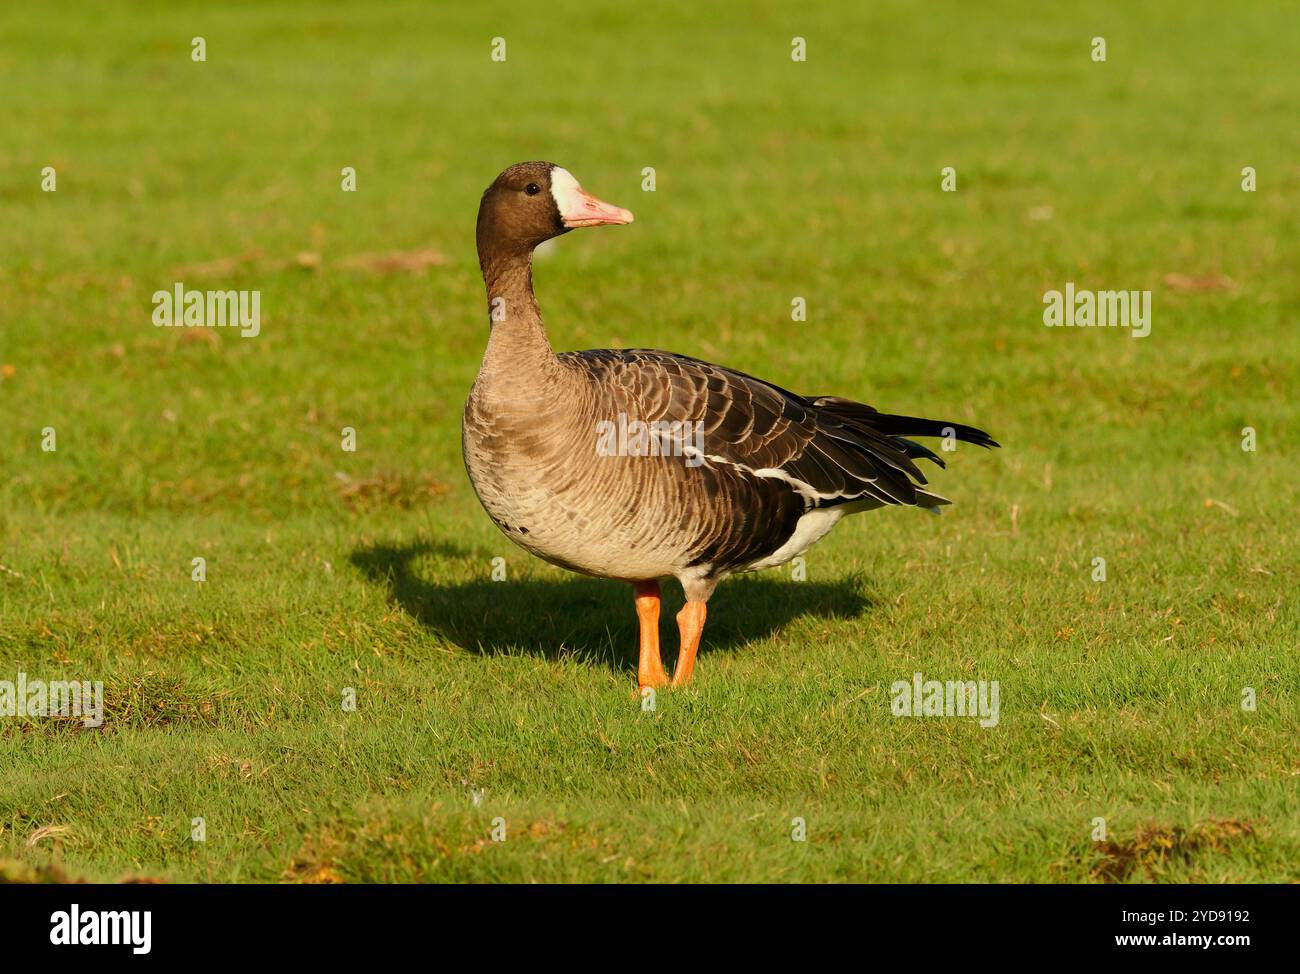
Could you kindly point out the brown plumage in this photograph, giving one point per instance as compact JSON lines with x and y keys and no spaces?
{"x":735,"y":473}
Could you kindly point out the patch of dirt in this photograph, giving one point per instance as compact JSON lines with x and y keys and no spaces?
{"x":316,"y":861}
{"x":390,"y":262}
{"x":394,"y":261}
{"x":1157,"y":846}
{"x":388,"y":489}
{"x":13,"y":871}
{"x":1205,"y":282}
{"x":219,"y":267}
{"x":158,"y":700}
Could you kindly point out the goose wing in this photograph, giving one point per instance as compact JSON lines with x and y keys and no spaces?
{"x":825,"y":449}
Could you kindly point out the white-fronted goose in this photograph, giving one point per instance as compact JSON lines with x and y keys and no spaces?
{"x":638,"y":464}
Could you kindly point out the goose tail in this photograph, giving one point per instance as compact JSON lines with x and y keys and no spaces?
{"x":902,"y":428}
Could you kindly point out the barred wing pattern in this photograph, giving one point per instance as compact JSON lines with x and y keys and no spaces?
{"x":770,"y":455}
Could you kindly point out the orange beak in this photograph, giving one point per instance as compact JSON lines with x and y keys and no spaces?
{"x":581,"y":209}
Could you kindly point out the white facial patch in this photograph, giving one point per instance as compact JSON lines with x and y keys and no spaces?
{"x":564,"y":190}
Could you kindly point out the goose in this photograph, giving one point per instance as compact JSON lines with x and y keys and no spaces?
{"x":640,"y":465}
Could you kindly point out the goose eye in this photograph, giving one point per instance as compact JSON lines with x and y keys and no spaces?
{"x":532,"y":189}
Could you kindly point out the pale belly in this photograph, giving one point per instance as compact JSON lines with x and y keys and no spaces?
{"x":590,"y":517}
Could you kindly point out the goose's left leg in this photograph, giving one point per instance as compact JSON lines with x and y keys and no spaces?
{"x":697,"y":587}
{"x":691,"y":623}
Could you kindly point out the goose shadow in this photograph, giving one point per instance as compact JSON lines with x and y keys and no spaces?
{"x":589,"y":619}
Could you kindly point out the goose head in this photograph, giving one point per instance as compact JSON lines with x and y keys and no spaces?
{"x":532,"y":202}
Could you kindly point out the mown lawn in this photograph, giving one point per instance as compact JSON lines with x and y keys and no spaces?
{"x":481,"y":700}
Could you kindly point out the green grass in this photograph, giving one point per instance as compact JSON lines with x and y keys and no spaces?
{"x":372,"y":569}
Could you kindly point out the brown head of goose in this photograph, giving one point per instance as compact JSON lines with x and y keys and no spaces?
{"x":637,"y":464}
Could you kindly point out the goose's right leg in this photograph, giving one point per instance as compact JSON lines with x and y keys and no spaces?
{"x":650,"y":668}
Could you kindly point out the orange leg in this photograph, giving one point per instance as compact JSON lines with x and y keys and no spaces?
{"x":691,"y":623}
{"x":650,"y":668}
